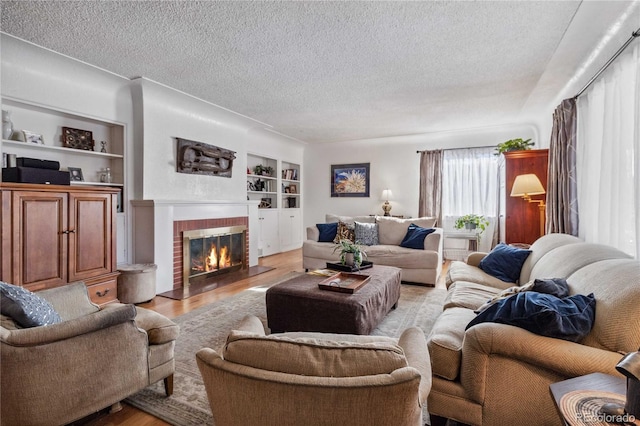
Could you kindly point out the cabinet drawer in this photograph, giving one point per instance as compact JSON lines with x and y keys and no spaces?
{"x":104,"y":292}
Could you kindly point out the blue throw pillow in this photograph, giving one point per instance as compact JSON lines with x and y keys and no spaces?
{"x":414,"y":238}
{"x":504,"y":262}
{"x":570,"y":318}
{"x":328,"y":231}
{"x":26,"y":308}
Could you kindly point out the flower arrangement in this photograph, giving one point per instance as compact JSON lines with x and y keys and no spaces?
{"x":472,"y":221}
{"x":350,"y":253}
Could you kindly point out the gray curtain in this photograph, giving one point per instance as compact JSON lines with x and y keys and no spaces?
{"x":431,"y":185}
{"x":562,"y":193}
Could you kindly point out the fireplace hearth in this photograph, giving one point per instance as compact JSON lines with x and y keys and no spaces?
{"x":213,"y":251}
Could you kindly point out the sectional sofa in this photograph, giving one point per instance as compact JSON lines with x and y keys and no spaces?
{"x":421,"y":266}
{"x":499,"y":374}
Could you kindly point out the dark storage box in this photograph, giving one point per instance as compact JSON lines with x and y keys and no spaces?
{"x":37,"y":163}
{"x":33,"y":175}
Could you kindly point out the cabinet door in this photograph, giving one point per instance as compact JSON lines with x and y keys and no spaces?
{"x":290,"y":229}
{"x":269,"y":231}
{"x":92,"y":239}
{"x":39,"y":239}
{"x":522,"y":221}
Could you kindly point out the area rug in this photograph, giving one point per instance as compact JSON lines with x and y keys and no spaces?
{"x":209,"y":326}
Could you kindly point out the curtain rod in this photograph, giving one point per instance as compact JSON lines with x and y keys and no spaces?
{"x":453,"y":149}
{"x":606,"y":65}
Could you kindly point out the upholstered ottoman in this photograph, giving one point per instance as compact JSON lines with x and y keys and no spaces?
{"x":299,"y":305}
{"x":137,"y":283}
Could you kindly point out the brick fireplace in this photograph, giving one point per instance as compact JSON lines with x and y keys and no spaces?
{"x":184,"y":226}
{"x":158,"y":226}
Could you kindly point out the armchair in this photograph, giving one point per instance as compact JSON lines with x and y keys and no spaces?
{"x":316,"y":379}
{"x":92,"y":359}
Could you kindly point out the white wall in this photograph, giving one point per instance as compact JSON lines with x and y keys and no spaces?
{"x":39,"y":76}
{"x":154,"y":115}
{"x":394,"y":164}
{"x":168,"y":114}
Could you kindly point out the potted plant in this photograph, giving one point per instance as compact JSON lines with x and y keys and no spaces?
{"x":514,"y":145}
{"x":351,"y":254}
{"x":257,"y":170}
{"x":261,"y":170}
{"x":472,"y":221}
{"x":267,"y":171}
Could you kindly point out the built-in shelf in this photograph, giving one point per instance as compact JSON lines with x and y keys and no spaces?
{"x":280,"y":216}
{"x":96,"y":184}
{"x":67,"y":151}
{"x":290,"y":185}
{"x":48,"y":122}
{"x":262,"y":177}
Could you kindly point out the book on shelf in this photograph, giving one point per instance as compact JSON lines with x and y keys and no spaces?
{"x":290,"y":174}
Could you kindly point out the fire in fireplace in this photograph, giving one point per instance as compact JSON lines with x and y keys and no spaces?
{"x":209,"y":252}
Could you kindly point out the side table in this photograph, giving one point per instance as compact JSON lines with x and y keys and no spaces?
{"x":472,"y":237}
{"x":598,"y":382}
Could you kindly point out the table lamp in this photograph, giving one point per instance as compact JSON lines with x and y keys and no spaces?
{"x":527,"y":185}
{"x":386,"y":196}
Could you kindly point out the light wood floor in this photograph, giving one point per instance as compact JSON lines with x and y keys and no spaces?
{"x":283,"y":264}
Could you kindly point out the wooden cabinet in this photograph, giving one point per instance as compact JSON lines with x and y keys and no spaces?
{"x":53,"y":235}
{"x":109,"y":150}
{"x":522,"y":219}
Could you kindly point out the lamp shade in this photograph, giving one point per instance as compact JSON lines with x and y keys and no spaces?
{"x":527,"y":185}
{"x":386,"y":195}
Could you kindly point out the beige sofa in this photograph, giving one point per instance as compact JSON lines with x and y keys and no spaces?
{"x":56,"y":374}
{"x":418,"y":266}
{"x":497,"y":374}
{"x":315,"y":379}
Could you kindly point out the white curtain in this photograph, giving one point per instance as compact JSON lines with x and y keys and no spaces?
{"x":608,"y":156}
{"x":471,"y":181}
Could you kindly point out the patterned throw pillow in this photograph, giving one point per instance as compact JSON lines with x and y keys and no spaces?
{"x":366,"y":233}
{"x":346,"y":231}
{"x":26,"y":308}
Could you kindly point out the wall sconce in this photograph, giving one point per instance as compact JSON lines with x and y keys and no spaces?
{"x":386,"y":196}
{"x":527,"y":185}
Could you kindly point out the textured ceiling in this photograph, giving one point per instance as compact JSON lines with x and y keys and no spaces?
{"x":323,"y":71}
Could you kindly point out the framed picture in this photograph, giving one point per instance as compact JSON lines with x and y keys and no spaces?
{"x":350,"y":180}
{"x":265,"y":203}
{"x":77,"y":139}
{"x":293,"y":189}
{"x":31,"y":137}
{"x":75,"y":174}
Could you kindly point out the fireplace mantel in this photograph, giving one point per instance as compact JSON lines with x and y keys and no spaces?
{"x":153,"y":229}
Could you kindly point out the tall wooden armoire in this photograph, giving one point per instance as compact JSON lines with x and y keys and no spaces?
{"x":522,"y":219}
